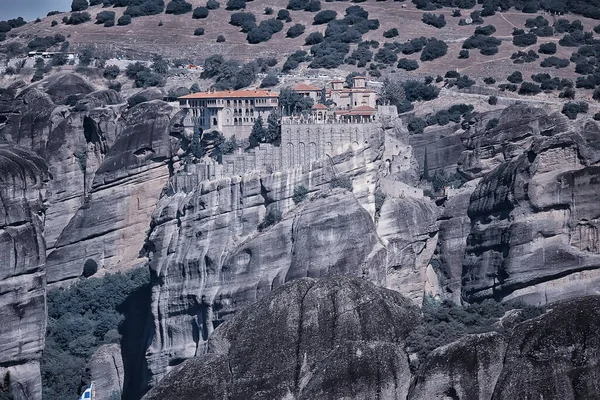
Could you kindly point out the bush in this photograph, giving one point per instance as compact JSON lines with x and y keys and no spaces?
{"x":114,"y":85}
{"x":577,"y":38}
{"x":300,"y":194}
{"x":555,"y":62}
{"x":571,"y":109}
{"x":434,"y":49}
{"x":547,"y":48}
{"x":313,"y":6}
{"x":408,"y":65}
{"x":463,"y":54}
{"x":268,"y":11}
{"x":485,"y":30}
{"x":437,"y":21}
{"x":246,"y":21}
{"x":524,"y":40}
{"x":212,"y":4}
{"x":529,"y":89}
{"x":220,"y":39}
{"x":200,"y":12}
{"x":323,"y":17}
{"x":111,"y":72}
{"x":491,"y":124}
{"x":390,"y":33}
{"x":341,"y":181}
{"x":104,"y":16}
{"x":235,"y":4}
{"x":269,"y":81}
{"x":386,"y":56}
{"x":416,"y":125}
{"x":295,"y":31}
{"x":199,"y":32}
{"x":515,"y":77}
{"x":492,"y":100}
{"x":77,"y":18}
{"x":284,"y":15}
{"x":511,"y":87}
{"x":124,"y":20}
{"x":79,"y":5}
{"x":489,"y":80}
{"x":568,"y":93}
{"x":272,"y":217}
{"x":178,"y":7}
{"x":418,"y":91}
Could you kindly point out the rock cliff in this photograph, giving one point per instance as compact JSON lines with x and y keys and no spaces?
{"x":343,"y":338}
{"x":335,"y":338}
{"x":23,"y":178}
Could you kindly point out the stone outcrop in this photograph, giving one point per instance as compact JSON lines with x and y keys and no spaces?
{"x":105,"y":369}
{"x":23,"y":176}
{"x":408,"y":230}
{"x":534,"y":232}
{"x":306,"y":340}
{"x":109,"y":229}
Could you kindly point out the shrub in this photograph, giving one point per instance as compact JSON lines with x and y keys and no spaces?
{"x":571,"y":109}
{"x":408,"y":65}
{"x":258,"y":35}
{"x":515,"y":77}
{"x":463,"y":54}
{"x":341,"y":181}
{"x":79,"y":5}
{"x":524,"y":40}
{"x":220,"y":39}
{"x":390,"y":33}
{"x":386,"y":56}
{"x":124,"y":20}
{"x":199,"y":32}
{"x":300,"y":194}
{"x":596,"y":94}
{"x":493,"y":100}
{"x":568,"y":93}
{"x":200,"y":12}
{"x":361,"y":56}
{"x":491,"y":124}
{"x":485,"y":30}
{"x":247,"y":21}
{"x":178,"y":7}
{"x":418,"y":91}
{"x":529,"y":89}
{"x":111,"y":72}
{"x":511,"y":87}
{"x":295,"y":31}
{"x":547,"y":48}
{"x":212,"y":4}
{"x":555,"y":62}
{"x":489,"y":80}
{"x":77,"y":18}
{"x":437,"y":21}
{"x":115,"y":85}
{"x":323,"y":17}
{"x":54,"y":23}
{"x":268,"y":11}
{"x":235,"y":4}
{"x":296,"y":4}
{"x":284,"y":15}
{"x":313,"y":6}
{"x":416,"y":125}
{"x":272,"y":217}
{"x":463,"y":82}
{"x":269,"y":81}
{"x":104,"y":16}
{"x":434,"y":49}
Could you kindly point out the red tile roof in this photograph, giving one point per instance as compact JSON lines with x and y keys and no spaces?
{"x":224,"y":94}
{"x":362,"y":110}
{"x":303,"y":87}
{"x":320,"y":106}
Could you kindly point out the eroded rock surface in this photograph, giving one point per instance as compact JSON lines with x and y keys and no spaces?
{"x":318,"y":345}
{"x":534,"y":229}
{"x":23,"y":176}
{"x":105,"y":369}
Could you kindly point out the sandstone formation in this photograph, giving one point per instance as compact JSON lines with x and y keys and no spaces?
{"x":106,"y":370}
{"x":23,"y":176}
{"x":109,"y":229}
{"x":534,"y":232}
{"x":335,"y":338}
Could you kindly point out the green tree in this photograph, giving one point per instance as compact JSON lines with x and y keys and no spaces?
{"x":258,"y":134}
{"x":273,"y":131}
{"x":425,"y":166}
{"x":196,"y":143}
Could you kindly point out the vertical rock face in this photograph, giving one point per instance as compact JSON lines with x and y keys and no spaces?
{"x":23,"y":176}
{"x":109,"y":229}
{"x":336,"y":338}
{"x":408,"y":230}
{"x":534,"y":224}
{"x":466,"y":369}
{"x":105,"y":368}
